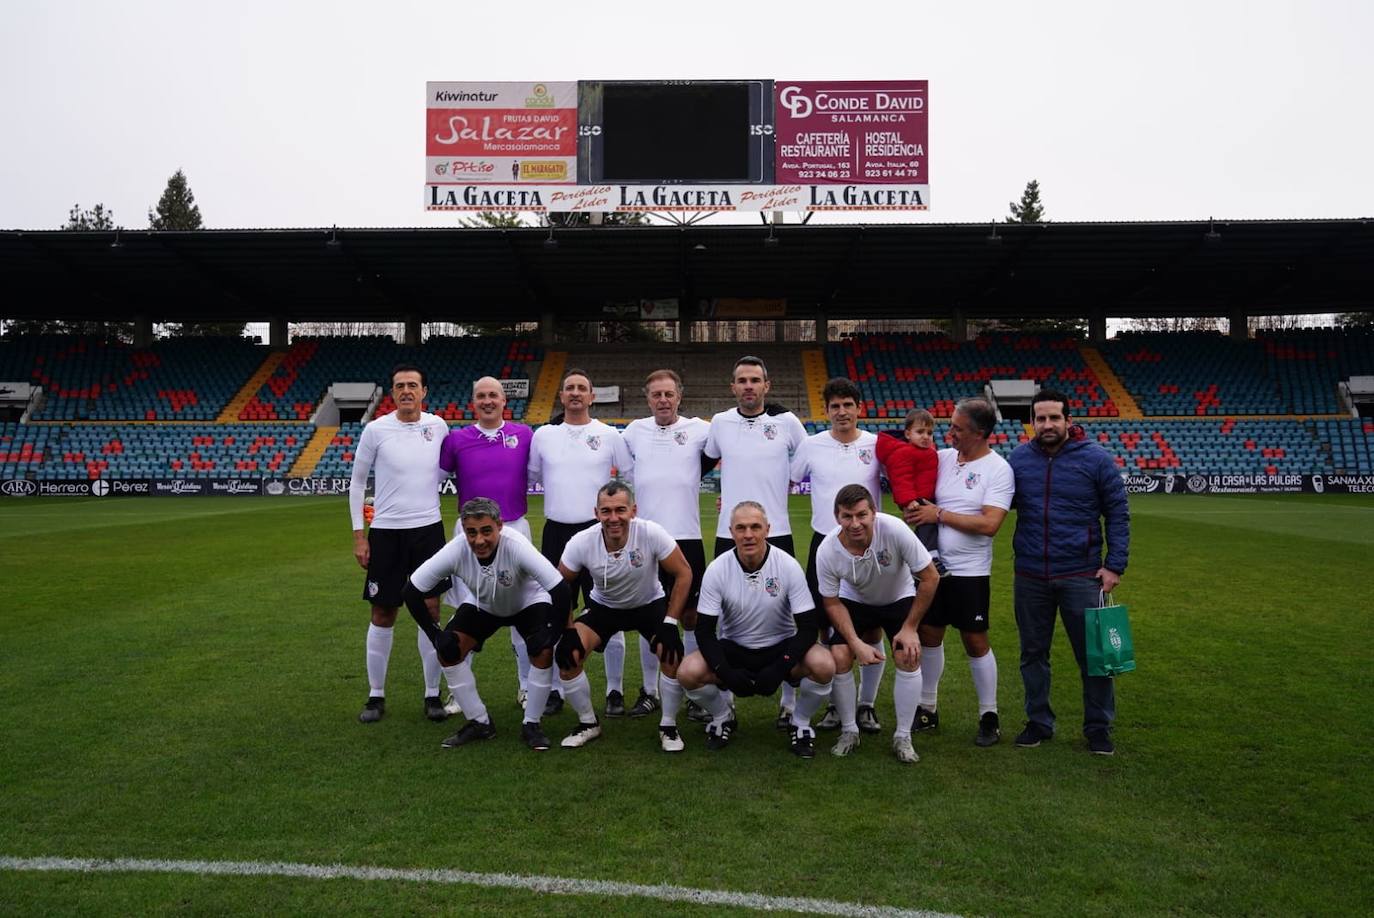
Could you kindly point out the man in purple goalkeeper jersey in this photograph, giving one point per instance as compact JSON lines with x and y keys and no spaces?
{"x":490,"y":459}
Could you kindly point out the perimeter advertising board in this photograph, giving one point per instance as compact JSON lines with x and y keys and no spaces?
{"x":683,"y":145}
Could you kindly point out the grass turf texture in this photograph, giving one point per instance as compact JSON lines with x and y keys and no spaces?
{"x":181,"y":681}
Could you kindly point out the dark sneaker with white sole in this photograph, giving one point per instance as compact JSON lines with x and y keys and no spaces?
{"x":373,"y":711}
{"x":1033,"y":736}
{"x":804,"y":743}
{"x":925,"y":720}
{"x":615,"y":704}
{"x":434,"y":709}
{"x":1099,"y":743}
{"x":867,"y":719}
{"x":644,"y":705}
{"x":471,"y":732}
{"x":989,"y":730}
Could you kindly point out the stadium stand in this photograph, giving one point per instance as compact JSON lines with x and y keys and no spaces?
{"x":1212,"y":447}
{"x":163,"y":450}
{"x":1193,"y":373}
{"x":1347,"y":443}
{"x":901,"y":372}
{"x":1307,"y":364}
{"x":182,"y":379}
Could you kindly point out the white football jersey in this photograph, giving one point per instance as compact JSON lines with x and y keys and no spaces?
{"x":755,"y":463}
{"x":667,"y":473}
{"x":517,"y":577}
{"x":755,"y":609}
{"x":883,"y":574}
{"x":573,"y":462}
{"x":968,"y":488}
{"x":404,"y":459}
{"x":832,"y":465}
{"x":624,"y":579}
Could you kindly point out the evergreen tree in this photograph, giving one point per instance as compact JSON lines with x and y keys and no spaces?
{"x":1028,"y":209}
{"x":97,"y":218}
{"x":176,"y":209}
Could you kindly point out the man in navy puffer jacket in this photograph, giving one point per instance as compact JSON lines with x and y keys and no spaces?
{"x":1066,"y":486}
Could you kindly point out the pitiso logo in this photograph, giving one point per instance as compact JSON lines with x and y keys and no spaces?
{"x":19,"y":487}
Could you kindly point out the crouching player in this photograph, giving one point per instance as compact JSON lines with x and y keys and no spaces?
{"x":874,"y":576}
{"x":756,"y":629}
{"x":623,"y":556}
{"x":505,"y":582}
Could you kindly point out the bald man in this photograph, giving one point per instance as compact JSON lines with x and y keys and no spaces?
{"x":489,"y":459}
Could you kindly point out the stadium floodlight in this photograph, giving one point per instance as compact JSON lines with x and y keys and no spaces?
{"x":1211,"y":237}
{"x":332,"y":245}
{"x":992,"y":238}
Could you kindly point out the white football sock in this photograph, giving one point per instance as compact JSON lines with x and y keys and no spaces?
{"x":648,"y":661}
{"x":614,"y":651}
{"x":984,"y":670}
{"x":870,"y":677}
{"x":540,"y":681}
{"x":932,"y":666}
{"x":671,"y":694}
{"x":712,"y":700}
{"x":842,"y":697}
{"x":378,"y":655}
{"x":578,"y":694}
{"x":810,"y":696}
{"x":464,"y":688}
{"x":522,"y":658}
{"x":906,"y":690}
{"x":429,"y":661}
{"x":789,"y":697}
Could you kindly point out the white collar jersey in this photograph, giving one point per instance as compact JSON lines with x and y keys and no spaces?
{"x":404,"y":460}
{"x":832,"y":465}
{"x":515,"y":579}
{"x":667,"y":463}
{"x":573,"y":461}
{"x":882,"y":575}
{"x":755,"y":463}
{"x":624,"y":579}
{"x":755,"y":610}
{"x":968,"y":487}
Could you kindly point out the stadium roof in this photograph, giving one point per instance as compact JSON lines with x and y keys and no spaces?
{"x":850,"y":271}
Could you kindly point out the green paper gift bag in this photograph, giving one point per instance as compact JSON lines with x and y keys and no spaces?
{"x":1107,"y":632}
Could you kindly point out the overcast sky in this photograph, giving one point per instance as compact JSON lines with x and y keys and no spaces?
{"x":299,"y":115}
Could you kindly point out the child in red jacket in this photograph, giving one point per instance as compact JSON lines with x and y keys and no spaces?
{"x":911,"y":463}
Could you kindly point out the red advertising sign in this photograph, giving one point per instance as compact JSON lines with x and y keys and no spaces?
{"x":507,"y":133}
{"x":851,"y":133}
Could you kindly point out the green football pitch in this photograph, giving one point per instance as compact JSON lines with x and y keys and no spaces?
{"x":179,"y":681}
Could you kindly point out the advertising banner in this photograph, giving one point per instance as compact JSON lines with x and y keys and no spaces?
{"x":516,"y":388}
{"x":1248,"y":484}
{"x":652,"y":198}
{"x":506,"y":133}
{"x":851,"y":132}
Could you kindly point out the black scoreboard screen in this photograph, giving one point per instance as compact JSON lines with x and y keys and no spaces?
{"x":692,"y":132}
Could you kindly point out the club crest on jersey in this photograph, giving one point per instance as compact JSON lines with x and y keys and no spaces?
{"x":505,"y":578}
{"x":971,"y":480}
{"x":680,"y":437}
{"x":770,"y":586}
{"x":511,"y":442}
{"x":770,"y":431}
{"x":884,"y":557}
{"x":636,"y":558}
{"x":866,"y":456}
{"x":594,"y":442}
{"x":427,"y":434}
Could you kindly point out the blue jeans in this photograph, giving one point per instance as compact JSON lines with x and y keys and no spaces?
{"x":1036,"y":604}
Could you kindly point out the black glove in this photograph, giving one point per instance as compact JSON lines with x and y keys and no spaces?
{"x":447,"y":649}
{"x":569,"y":651}
{"x":768,"y":679}
{"x":736,"y":680}
{"x":667,"y":643}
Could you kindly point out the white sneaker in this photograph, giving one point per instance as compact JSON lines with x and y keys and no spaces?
{"x":670,"y":740}
{"x":582,"y":735}
{"x":451,"y":706}
{"x":904,"y":750}
{"x":846,"y":744}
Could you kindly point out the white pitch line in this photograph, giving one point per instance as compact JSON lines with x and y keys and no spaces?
{"x":556,"y":885}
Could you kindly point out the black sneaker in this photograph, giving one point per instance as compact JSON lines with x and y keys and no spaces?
{"x":1100,"y":743}
{"x":373,"y":710}
{"x":533,"y":736}
{"x":804,"y":744}
{"x":696,"y":713}
{"x":615,"y":704}
{"x":1033,"y":736}
{"x":554,"y":705}
{"x":471,"y":732}
{"x":989,"y":730}
{"x":925,"y":720}
{"x":784,"y":721}
{"x":644,"y":705}
{"x":434,"y":709}
{"x":719,"y":737}
{"x":867,"y":719}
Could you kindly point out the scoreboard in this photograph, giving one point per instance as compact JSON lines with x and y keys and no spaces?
{"x":745,"y":145}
